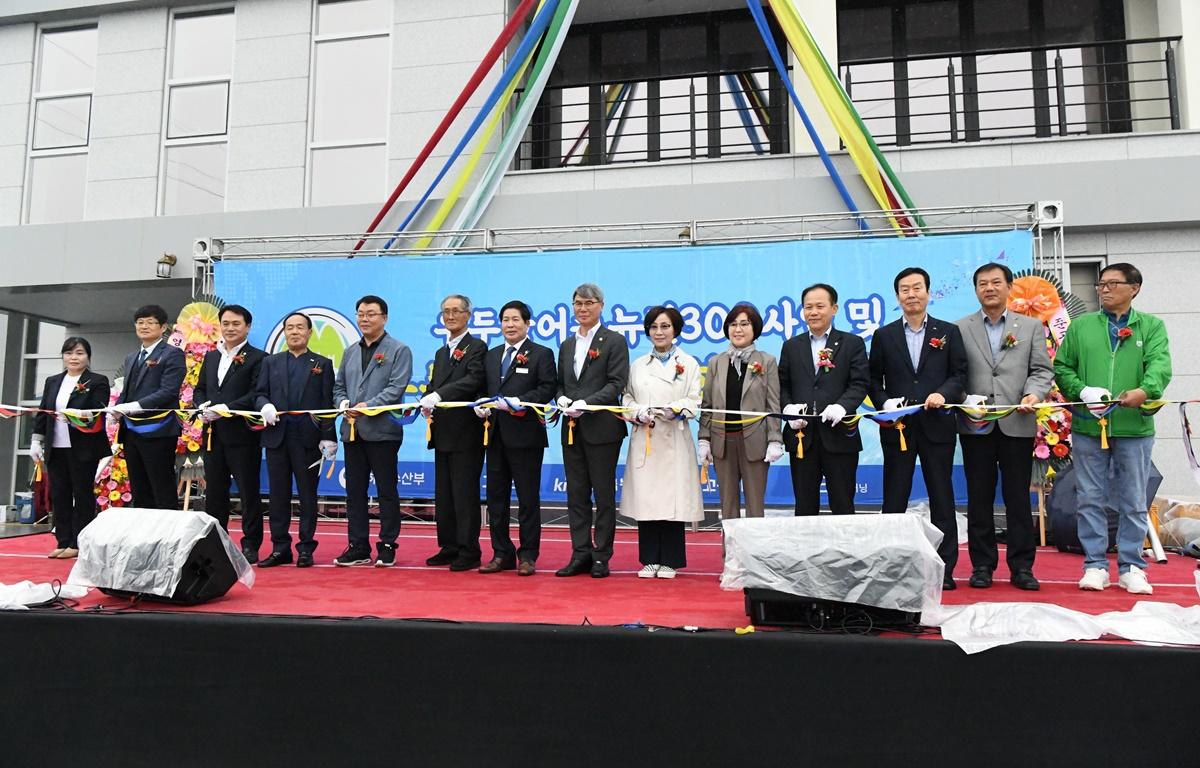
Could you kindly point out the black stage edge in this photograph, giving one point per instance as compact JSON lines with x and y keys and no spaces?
{"x":145,"y":689}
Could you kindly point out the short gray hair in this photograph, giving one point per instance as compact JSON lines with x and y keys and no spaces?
{"x":466,"y":302}
{"x":589,"y":291}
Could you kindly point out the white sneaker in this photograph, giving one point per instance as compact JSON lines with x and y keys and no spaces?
{"x":648,"y":571}
{"x":1134,"y":582}
{"x":1094,"y":579}
{"x":666,"y":572}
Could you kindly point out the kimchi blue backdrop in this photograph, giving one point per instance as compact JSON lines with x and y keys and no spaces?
{"x":703,"y":282}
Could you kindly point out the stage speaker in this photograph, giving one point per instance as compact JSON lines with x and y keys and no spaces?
{"x":157,"y":554}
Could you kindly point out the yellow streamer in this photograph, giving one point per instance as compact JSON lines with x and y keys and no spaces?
{"x":486,"y":423}
{"x":900,"y":429}
{"x":647,"y":430}
{"x":351,"y":420}
{"x":570,"y":431}
{"x":1103,"y":434}
{"x":800,"y":444}
{"x":704,"y":474}
{"x":37,"y":471}
{"x":208,"y":442}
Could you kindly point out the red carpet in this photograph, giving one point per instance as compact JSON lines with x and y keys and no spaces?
{"x":412,"y":590}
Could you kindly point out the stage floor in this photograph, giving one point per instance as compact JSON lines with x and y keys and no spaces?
{"x":414,"y":591}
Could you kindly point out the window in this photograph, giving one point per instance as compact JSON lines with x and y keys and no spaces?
{"x":351,"y":67}
{"x":196,"y":118}
{"x":61,"y":125}
{"x":1084,"y":274}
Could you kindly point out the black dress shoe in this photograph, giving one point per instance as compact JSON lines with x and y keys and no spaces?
{"x":948,"y":584}
{"x":981,"y":578}
{"x":599,"y":569}
{"x":276,"y":558}
{"x":1024,"y":579}
{"x":576,"y":567}
{"x":304,"y":560}
{"x":442,"y":558}
{"x":250,"y":553}
{"x":464,"y":564}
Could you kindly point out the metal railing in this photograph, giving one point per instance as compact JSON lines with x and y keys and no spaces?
{"x":1118,"y":86}
{"x":648,"y":120}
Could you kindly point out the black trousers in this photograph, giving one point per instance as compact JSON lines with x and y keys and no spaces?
{"x":985,"y":456}
{"x":242,"y":462}
{"x":72,"y":494}
{"x":591,"y":470}
{"x":839,"y":471}
{"x":151,"y":462}
{"x":456,"y":501}
{"x":363,"y":459}
{"x":660,"y":542}
{"x":521,"y":467}
{"x":937,"y":462}
{"x":292,"y":460}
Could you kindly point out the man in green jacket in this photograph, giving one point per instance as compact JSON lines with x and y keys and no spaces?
{"x":1116,"y":354}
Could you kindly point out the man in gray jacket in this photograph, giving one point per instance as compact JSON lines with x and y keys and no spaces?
{"x":374,"y":372}
{"x":1007,"y":364}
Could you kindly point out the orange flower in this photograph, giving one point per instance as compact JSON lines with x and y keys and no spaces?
{"x":1035,"y":297}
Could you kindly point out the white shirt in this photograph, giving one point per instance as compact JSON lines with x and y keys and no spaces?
{"x":452,"y":343}
{"x":61,"y":437}
{"x":818,"y":343}
{"x":583,"y":342}
{"x":227,"y":356}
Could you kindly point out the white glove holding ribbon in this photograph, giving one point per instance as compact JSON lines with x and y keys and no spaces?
{"x":972,"y":400}
{"x":212,"y":413}
{"x":833,"y":414}
{"x":343,"y":405}
{"x":481,"y":412}
{"x":775,"y":452}
{"x":328,"y":449}
{"x":37,"y":449}
{"x":793,"y":409}
{"x":644,"y":416}
{"x":703,"y":452}
{"x":502,"y":405}
{"x":128,"y":408}
{"x":1093,"y":396}
{"x":563,"y":402}
{"x":892,"y":404}
{"x":576,"y":409}
{"x":270,"y":415}
{"x":428,"y":402}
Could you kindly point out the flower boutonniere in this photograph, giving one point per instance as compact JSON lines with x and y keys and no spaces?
{"x":458,"y":354}
{"x":317,"y":370}
{"x":521,"y":358}
{"x":379,"y":358}
{"x":1010,"y":341}
{"x":755,"y":368}
{"x":678,"y":370}
{"x":938,"y":342}
{"x":825,"y":359}
{"x":1124,"y":333}
{"x":239,"y":358}
{"x":82,"y":389}
{"x":593,"y":354}
{"x":151,"y":363}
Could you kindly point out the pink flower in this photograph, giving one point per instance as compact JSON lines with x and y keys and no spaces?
{"x":1042,"y":451}
{"x":112,"y":485}
{"x":126,"y":497}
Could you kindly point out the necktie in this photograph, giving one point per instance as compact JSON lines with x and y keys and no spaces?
{"x":506,"y":362}
{"x":141,"y":360}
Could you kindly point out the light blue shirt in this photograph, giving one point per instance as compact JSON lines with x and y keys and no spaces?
{"x":914,"y":340}
{"x":995,"y":332}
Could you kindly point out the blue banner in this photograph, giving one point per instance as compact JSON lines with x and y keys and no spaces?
{"x":703,"y":282}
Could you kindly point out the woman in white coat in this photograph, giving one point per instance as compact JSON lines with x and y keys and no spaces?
{"x":662,"y":480}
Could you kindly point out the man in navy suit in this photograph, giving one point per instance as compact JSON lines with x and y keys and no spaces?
{"x":228,"y":380}
{"x":517,"y":370}
{"x":824,"y":374}
{"x":920,"y":359}
{"x":295,"y":379}
{"x":153,"y":376}
{"x":456,"y":438}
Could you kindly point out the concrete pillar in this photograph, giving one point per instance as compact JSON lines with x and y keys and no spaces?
{"x":1180,"y":17}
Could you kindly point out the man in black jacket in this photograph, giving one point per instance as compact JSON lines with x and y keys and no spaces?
{"x":824,"y":375}
{"x":517,"y":370}
{"x":228,"y":380}
{"x":456,"y":437}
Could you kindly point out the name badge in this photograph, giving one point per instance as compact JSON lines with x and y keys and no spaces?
{"x":522,"y":370}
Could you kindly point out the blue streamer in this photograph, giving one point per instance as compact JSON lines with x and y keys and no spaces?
{"x":743,"y":109}
{"x":540,"y":22}
{"x":150,"y":425}
{"x":761,"y":21}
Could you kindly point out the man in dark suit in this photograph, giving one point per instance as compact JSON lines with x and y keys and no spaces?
{"x":919,"y":359}
{"x":517,"y":370}
{"x":153,"y":376}
{"x":593,"y":368}
{"x":1007,"y":363}
{"x":295,"y":379}
{"x":228,"y":380}
{"x":456,"y":438}
{"x":823,"y":374}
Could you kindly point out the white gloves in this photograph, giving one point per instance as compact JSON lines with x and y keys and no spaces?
{"x":128,"y":408}
{"x":576,"y":409}
{"x":343,"y":405}
{"x":973,"y":400}
{"x":501,"y":405}
{"x":328,"y":449}
{"x":564,"y":402}
{"x":644,"y":416}
{"x":212,"y":413}
{"x":892,"y":403}
{"x":703,"y":452}
{"x":37,"y":449}
{"x":481,"y":412}
{"x":270,"y":416}
{"x":793,"y":409}
{"x":1093,"y":396}
{"x":775,"y":452}
{"x":833,"y":414}
{"x":428,"y":402}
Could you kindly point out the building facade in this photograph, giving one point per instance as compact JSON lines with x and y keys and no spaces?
{"x":129,"y":128}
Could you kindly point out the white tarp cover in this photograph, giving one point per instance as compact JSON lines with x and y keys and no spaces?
{"x":23,"y":594}
{"x":888,"y":561}
{"x":143,"y":550}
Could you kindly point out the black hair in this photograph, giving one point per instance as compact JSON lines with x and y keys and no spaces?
{"x":236,"y":309}
{"x":672,"y":314}
{"x":520,"y":306}
{"x":76,"y":341}
{"x":907,"y":272}
{"x":153,"y":311}
{"x":822,"y":286}
{"x":751,"y":313}
{"x":369,"y":299}
{"x":1132,"y":274}
{"x":1008,"y":277}
{"x":290,"y":315}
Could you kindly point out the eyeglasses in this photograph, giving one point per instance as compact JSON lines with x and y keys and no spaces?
{"x":742,"y":324}
{"x":368,"y":315}
{"x":146,"y":323}
{"x":453,"y":312}
{"x":1105,"y":285}
{"x":588,"y":304}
